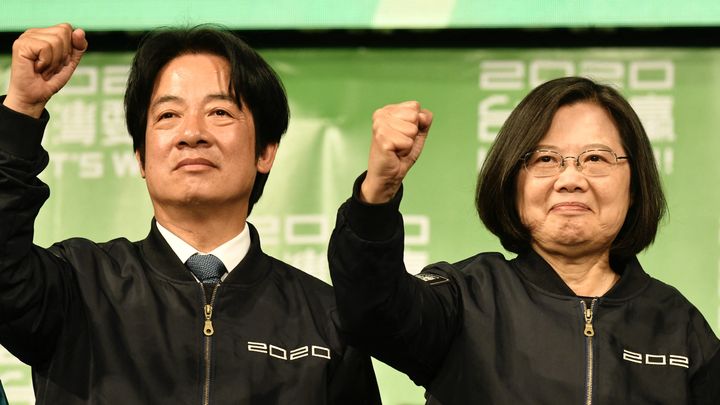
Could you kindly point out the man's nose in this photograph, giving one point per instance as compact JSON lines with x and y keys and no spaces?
{"x":193,"y":131}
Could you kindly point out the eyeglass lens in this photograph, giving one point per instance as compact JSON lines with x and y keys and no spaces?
{"x":543,"y":163}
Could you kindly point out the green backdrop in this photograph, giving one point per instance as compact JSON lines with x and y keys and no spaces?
{"x":17,"y":15}
{"x":97,"y":192}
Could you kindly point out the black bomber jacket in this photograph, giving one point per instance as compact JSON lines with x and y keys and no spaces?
{"x":126,"y":323}
{"x":488,"y":330}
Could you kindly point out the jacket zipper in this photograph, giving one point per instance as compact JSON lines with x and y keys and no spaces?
{"x":208,"y":331}
{"x":589,"y":332}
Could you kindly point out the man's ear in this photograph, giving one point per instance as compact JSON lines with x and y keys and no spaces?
{"x":140,"y":163}
{"x":267,"y":157}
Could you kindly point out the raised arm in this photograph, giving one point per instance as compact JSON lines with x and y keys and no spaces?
{"x":35,"y":291}
{"x":399,"y":133}
{"x":400,"y":319}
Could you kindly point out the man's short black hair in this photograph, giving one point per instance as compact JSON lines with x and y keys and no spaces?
{"x":496,"y":193}
{"x":253,"y":83}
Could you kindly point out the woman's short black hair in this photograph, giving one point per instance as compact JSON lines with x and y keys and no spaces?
{"x":253,"y":83}
{"x":496,"y":194}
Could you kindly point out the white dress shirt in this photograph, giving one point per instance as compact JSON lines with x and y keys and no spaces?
{"x":230,"y":253}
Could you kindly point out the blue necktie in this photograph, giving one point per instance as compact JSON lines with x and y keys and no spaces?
{"x":207,"y":268}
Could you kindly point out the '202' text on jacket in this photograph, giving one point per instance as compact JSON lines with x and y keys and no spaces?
{"x":488,"y":330}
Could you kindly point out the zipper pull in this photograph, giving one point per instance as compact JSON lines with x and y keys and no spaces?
{"x":589,"y":331}
{"x":588,"y":314}
{"x":208,"y":328}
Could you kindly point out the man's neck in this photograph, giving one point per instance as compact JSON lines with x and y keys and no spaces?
{"x":204,"y":231}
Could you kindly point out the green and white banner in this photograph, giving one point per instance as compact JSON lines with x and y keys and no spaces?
{"x":129,"y":15}
{"x":98,"y":193}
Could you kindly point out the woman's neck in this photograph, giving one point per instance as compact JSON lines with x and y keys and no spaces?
{"x":589,"y":275}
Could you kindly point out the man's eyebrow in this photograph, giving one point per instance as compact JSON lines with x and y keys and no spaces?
{"x":220,"y":97}
{"x":164,"y":99}
{"x":210,"y":97}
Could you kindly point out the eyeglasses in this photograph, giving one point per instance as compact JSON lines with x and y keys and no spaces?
{"x":592,"y":162}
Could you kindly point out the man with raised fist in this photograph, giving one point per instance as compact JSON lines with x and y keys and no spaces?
{"x":196,"y":312}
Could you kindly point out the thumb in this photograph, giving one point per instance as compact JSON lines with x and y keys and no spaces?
{"x":425,"y":118}
{"x":417,"y":147}
{"x":79,"y":45}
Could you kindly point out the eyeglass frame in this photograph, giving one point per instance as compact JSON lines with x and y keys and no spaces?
{"x":578,"y":165}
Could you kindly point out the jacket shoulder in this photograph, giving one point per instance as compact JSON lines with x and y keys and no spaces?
{"x":481,"y":261}
{"x":477,"y":265}
{"x":660,"y":291}
{"x":292,"y":274}
{"x":72,"y":246}
{"x":82,"y":253}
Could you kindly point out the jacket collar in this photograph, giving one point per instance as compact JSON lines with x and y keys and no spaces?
{"x":163,"y":261}
{"x":533,"y":268}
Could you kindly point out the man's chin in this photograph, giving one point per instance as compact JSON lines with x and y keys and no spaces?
{"x":204,"y":198}
{"x":194,"y":199}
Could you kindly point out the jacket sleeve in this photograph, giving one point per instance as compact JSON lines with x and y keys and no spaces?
{"x":354,"y":382}
{"x":32,"y":280}
{"x":705,"y":383}
{"x":398,"y":318}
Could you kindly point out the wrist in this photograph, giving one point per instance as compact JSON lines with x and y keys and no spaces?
{"x":34,"y":110}
{"x":374,"y":192}
{"x":373,"y":222}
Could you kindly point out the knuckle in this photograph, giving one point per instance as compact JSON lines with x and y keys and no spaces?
{"x":380,"y":133}
{"x":377,"y":114}
{"x":377,"y":126}
{"x":17,"y":44}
